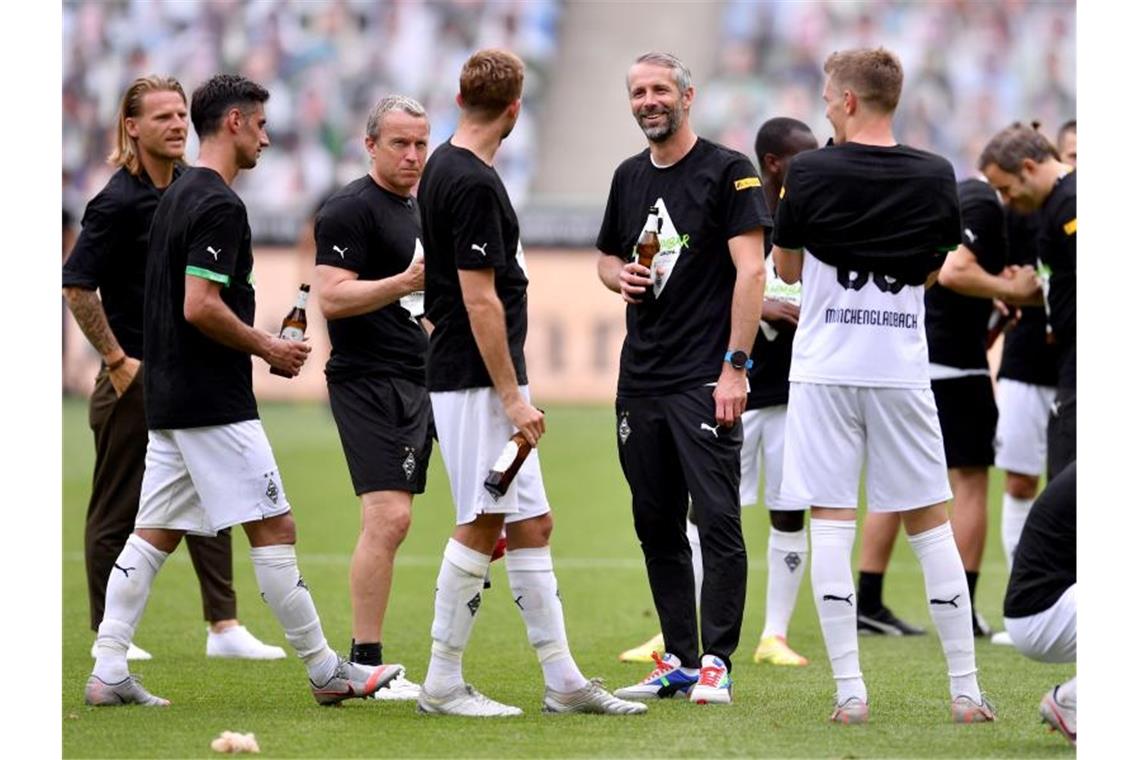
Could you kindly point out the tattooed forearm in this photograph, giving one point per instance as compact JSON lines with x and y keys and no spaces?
{"x":88,"y":311}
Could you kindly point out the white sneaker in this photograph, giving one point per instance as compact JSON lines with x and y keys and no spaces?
{"x":1002,"y":639}
{"x":133,"y":652}
{"x":237,"y":642}
{"x":464,"y":700}
{"x":591,"y":698}
{"x":399,"y":689}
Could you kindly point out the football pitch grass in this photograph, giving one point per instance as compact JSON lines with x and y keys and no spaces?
{"x":777,"y":712}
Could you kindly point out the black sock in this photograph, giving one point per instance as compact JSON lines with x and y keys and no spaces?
{"x":972,"y":582}
{"x":870,"y":597}
{"x":366,"y":654}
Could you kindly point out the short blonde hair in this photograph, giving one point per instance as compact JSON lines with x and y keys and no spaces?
{"x":875,"y":76}
{"x":126,"y":152}
{"x":490,"y":81}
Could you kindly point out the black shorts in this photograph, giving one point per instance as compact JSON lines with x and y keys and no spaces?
{"x":1061,"y":434}
{"x":968,"y":417}
{"x":385,"y":427}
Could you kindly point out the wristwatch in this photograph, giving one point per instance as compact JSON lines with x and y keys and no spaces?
{"x":738,"y":359}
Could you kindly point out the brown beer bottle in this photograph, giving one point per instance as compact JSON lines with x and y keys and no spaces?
{"x":505,"y":468}
{"x":295,"y":322}
{"x":648,"y":244}
{"x":999,"y":323}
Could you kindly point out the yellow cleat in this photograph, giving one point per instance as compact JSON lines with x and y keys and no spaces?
{"x":775,"y":651}
{"x":644,"y":653}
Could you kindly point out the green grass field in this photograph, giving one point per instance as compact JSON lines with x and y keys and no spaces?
{"x":777,"y":712}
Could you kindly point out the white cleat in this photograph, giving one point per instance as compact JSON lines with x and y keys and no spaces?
{"x":399,"y":689}
{"x":1002,"y":639}
{"x":238,"y":643}
{"x":464,"y":700}
{"x":133,"y":652}
{"x":591,"y":698}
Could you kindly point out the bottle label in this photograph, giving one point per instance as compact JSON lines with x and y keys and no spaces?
{"x":302,"y":299}
{"x":292,"y":333}
{"x":510,"y":451}
{"x":414,"y":303}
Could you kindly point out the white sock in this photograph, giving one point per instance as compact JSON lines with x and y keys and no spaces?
{"x":949,"y":599}
{"x":1013,"y":514}
{"x":127,"y":590}
{"x":698,"y":560}
{"x":787,"y":560}
{"x":831,"y":545}
{"x":458,"y":594}
{"x":535,"y":591}
{"x":284,"y":590}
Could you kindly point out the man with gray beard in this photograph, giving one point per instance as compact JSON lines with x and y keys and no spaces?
{"x":683,"y":378}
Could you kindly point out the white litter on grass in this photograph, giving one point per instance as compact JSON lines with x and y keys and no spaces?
{"x":231,"y":741}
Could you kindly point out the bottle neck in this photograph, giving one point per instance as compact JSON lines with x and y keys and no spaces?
{"x":302,"y":299}
{"x":651,"y":224}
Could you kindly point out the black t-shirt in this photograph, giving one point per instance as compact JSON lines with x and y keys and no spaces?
{"x":200,"y":228}
{"x":771,"y":359}
{"x":110,"y":254}
{"x":956,"y":324}
{"x":1058,"y":249}
{"x":1027,"y":355}
{"x":468,"y":223}
{"x":676,"y":340}
{"x":1045,"y":564}
{"x":835,"y":200}
{"x":373,"y":232}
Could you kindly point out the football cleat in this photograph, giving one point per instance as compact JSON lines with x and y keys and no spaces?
{"x":1059,"y":716}
{"x":666,"y":680}
{"x":126,"y":692}
{"x":591,"y":698}
{"x":644,"y":652}
{"x":775,"y":651}
{"x":238,"y":643}
{"x":350,"y":681}
{"x":883,"y":622}
{"x":1002,"y":639}
{"x":464,"y":700}
{"x":715,"y":684}
{"x":852,"y":712}
{"x":965,"y":710}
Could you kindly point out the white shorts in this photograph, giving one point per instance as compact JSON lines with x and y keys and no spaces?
{"x":1049,"y":636}
{"x":201,"y":480}
{"x":473,"y":429}
{"x":832,"y":430}
{"x":1023,"y":415}
{"x":764,"y":436}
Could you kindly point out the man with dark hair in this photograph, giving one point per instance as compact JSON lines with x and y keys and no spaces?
{"x":110,"y":257}
{"x":1024,"y":167}
{"x":1041,"y":599}
{"x":370,"y":279}
{"x":476,"y":374}
{"x":865,"y":224}
{"x":208,"y":463}
{"x":691,"y":319}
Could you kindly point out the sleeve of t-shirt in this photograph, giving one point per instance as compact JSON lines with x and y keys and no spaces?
{"x":609,"y":235}
{"x":92,"y":252}
{"x":477,"y":230}
{"x":1064,"y":232}
{"x":742,"y":200}
{"x":214,"y":239}
{"x":788,"y":232}
{"x":950,"y":228}
{"x":983,"y":231}
{"x":339,"y":231}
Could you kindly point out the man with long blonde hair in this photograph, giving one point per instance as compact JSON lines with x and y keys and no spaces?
{"x":103,"y":283}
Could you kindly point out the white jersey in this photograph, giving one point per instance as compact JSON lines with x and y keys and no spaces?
{"x":860,"y":329}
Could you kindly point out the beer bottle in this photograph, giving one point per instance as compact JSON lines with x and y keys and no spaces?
{"x":505,"y":468}
{"x":648,"y":244}
{"x":295,"y":322}
{"x":999,"y":323}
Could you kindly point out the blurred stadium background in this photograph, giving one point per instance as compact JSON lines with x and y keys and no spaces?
{"x":971,"y":68}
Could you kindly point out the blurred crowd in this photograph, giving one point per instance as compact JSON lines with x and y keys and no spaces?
{"x":970,"y":67}
{"x":325,"y":64}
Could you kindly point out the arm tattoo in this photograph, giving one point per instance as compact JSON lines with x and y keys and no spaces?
{"x":88,"y":312}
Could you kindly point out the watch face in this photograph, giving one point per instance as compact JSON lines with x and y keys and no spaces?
{"x":739,"y":359}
